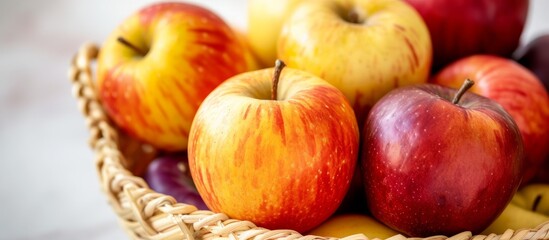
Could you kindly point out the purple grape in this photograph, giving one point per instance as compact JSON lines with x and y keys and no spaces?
{"x":165,"y":175}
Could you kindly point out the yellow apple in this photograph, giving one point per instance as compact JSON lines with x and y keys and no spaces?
{"x":251,"y":58}
{"x":265,"y":18}
{"x":363,"y":47}
{"x":343,"y":225}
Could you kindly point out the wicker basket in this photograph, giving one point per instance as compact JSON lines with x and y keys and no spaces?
{"x":146,"y":214}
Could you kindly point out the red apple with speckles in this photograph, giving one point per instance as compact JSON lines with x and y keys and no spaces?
{"x":156,"y":68}
{"x":466,"y":27}
{"x":282,"y":160}
{"x":517,"y":90}
{"x":434,"y":166}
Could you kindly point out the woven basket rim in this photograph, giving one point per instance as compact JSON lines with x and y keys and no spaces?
{"x":146,"y":214}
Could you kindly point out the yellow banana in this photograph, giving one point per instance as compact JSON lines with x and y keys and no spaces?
{"x":534,"y":197}
{"x":349,"y":224}
{"x":515,"y":217}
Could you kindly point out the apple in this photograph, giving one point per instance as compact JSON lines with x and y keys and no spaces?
{"x":343,"y":225}
{"x":265,"y":19}
{"x":252,"y":59}
{"x":462,"y":28}
{"x":155,"y":69}
{"x":281,"y":155}
{"x":518,"y":91}
{"x":535,"y":57}
{"x":365,"y":48}
{"x":437,"y":160}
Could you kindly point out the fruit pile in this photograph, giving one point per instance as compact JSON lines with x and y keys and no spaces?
{"x":334,"y":117}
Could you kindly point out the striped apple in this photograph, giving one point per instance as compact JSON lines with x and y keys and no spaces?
{"x":282,"y":162}
{"x":156,"y":68}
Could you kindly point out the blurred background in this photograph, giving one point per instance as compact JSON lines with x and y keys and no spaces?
{"x":48,"y":185}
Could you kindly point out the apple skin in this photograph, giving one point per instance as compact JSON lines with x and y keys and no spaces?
{"x":466,"y":27}
{"x":265,"y":20}
{"x":517,"y":90}
{"x":432,"y":167}
{"x":190,"y":51}
{"x":389,"y":47}
{"x":282,"y":164}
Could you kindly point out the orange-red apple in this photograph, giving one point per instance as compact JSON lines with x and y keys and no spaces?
{"x":156,"y":68}
{"x":282,"y":158}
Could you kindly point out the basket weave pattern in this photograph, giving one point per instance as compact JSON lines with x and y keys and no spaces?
{"x":146,"y":214}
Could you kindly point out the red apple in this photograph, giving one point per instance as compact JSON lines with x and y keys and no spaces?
{"x":465,"y":27}
{"x":155,"y":69}
{"x":535,"y":56}
{"x":281,"y":158}
{"x":518,"y":91}
{"x":433,"y":166}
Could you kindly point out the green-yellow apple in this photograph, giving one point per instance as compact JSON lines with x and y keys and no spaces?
{"x":437,"y":161}
{"x":281,"y":158}
{"x":365,"y":48}
{"x":265,"y":19}
{"x":517,"y":90}
{"x":156,"y":68}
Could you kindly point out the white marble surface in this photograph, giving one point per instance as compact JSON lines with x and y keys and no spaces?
{"x":48,"y":185}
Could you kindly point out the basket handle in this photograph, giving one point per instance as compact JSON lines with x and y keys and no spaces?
{"x":129,"y":195}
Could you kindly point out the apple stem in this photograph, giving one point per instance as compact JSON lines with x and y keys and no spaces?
{"x":468,"y":83}
{"x":130,"y":45}
{"x":353,"y":17}
{"x":279,"y":65}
